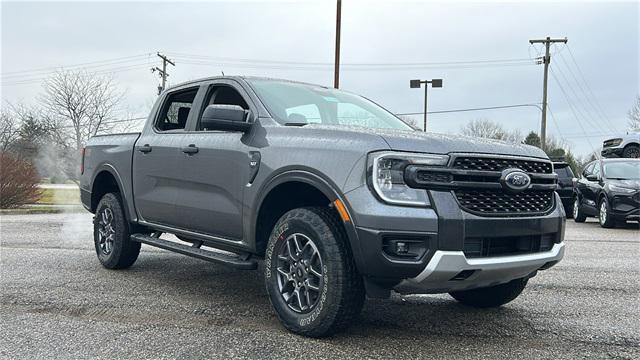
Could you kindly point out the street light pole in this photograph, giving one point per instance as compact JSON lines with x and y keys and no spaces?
{"x":336,"y":67}
{"x":416,"y":84}
{"x":425,"y":107}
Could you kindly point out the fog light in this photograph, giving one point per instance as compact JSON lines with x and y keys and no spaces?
{"x":404,"y":246}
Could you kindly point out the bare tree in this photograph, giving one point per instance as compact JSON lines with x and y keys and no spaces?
{"x":634,"y":115}
{"x":9,"y":128}
{"x":488,"y":129}
{"x":410,"y":121}
{"x":78,"y":105}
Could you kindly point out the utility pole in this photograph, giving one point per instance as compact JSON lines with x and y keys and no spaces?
{"x":416,"y":84}
{"x":163,"y":72}
{"x":336,"y":68}
{"x":546,"y":60}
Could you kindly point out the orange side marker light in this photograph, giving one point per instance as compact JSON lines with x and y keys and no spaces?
{"x":342,"y":210}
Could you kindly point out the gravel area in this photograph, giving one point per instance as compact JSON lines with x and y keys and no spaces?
{"x":56,"y":301}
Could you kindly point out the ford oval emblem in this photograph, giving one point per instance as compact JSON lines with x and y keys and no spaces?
{"x":515,"y":180}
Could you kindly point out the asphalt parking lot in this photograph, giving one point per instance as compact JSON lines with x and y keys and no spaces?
{"x":57,"y":301}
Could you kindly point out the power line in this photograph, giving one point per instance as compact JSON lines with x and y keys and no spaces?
{"x":107,"y":122}
{"x":537,"y":105}
{"x":588,"y":101}
{"x":279,"y":62}
{"x":344,"y":67}
{"x":584,"y":79}
{"x":100,"y":72}
{"x":86,"y":65}
{"x":573,"y":111}
{"x":555,"y":122}
{"x":584,"y":112}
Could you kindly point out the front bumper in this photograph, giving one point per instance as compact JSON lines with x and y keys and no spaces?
{"x":612,"y":151}
{"x":442,"y":273}
{"x":625,"y":207}
{"x":444,"y":230}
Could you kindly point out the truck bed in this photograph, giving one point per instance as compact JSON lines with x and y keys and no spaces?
{"x":112,"y":153}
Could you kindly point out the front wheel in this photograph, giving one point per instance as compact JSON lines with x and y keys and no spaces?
{"x":578,"y":215}
{"x":114,"y":248}
{"x":310,"y":274}
{"x":631,"y":151}
{"x":604,"y":216}
{"x":492,"y":296}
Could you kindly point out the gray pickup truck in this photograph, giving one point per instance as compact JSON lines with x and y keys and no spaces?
{"x":337,"y":196}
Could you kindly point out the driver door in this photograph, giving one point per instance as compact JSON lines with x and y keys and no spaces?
{"x":214,"y":177}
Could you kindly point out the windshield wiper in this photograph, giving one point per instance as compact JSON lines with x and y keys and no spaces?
{"x":296,"y":124}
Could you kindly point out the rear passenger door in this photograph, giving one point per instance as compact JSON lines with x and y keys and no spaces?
{"x":157,"y":156}
{"x":213,"y":178}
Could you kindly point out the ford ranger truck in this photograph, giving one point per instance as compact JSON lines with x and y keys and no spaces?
{"x":334,"y":195}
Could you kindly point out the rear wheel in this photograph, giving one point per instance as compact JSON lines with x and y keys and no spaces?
{"x":111,"y":234}
{"x":578,"y":215}
{"x":310,"y":275}
{"x":604,"y":215}
{"x":492,"y":296}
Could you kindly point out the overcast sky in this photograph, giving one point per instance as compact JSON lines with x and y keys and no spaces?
{"x":205,"y":38}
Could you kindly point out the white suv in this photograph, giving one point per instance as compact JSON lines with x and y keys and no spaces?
{"x":627,"y":146}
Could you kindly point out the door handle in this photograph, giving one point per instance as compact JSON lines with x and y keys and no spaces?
{"x":146,"y":148}
{"x":191,"y":149}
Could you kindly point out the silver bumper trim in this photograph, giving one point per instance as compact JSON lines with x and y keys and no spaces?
{"x":444,"y":265}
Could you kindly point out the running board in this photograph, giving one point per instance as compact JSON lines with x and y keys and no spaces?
{"x":193,"y":251}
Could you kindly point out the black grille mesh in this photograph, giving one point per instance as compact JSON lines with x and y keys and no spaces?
{"x":502,"y":203}
{"x":429,"y":176}
{"x":499,"y":164}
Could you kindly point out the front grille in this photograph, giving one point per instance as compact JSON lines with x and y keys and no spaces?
{"x":478,"y":185}
{"x":499,"y":164}
{"x":476,"y":247}
{"x":430,"y":176}
{"x":498,"y":202}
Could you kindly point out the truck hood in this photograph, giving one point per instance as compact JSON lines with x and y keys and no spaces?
{"x":417,"y":141}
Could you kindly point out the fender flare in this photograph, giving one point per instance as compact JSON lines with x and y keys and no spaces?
{"x":319,"y":181}
{"x":106,"y":167}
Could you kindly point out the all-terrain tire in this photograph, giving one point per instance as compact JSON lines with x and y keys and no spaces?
{"x":578,"y":215}
{"x":341,"y":295}
{"x":492,"y":296}
{"x":111,"y":233}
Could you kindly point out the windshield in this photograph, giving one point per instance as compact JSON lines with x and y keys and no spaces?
{"x":622,"y":170}
{"x":298,"y":104}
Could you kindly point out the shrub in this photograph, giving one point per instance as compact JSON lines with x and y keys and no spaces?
{"x":18,"y":182}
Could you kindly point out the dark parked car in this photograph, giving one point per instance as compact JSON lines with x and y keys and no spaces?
{"x":565,"y":185}
{"x":610,"y":190}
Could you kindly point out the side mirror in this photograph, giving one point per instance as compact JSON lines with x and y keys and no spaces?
{"x":592,"y":177}
{"x":225,"y":118}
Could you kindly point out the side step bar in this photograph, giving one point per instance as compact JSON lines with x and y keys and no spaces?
{"x":195,"y":251}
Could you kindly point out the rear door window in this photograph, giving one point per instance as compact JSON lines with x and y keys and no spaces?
{"x":175,"y":110}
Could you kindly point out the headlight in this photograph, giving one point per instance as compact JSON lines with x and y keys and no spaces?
{"x":387,"y":176}
{"x":620,"y":189}
{"x":613,"y":142}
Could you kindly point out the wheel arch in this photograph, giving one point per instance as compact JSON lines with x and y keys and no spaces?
{"x":304,"y":179}
{"x":107,"y":179}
